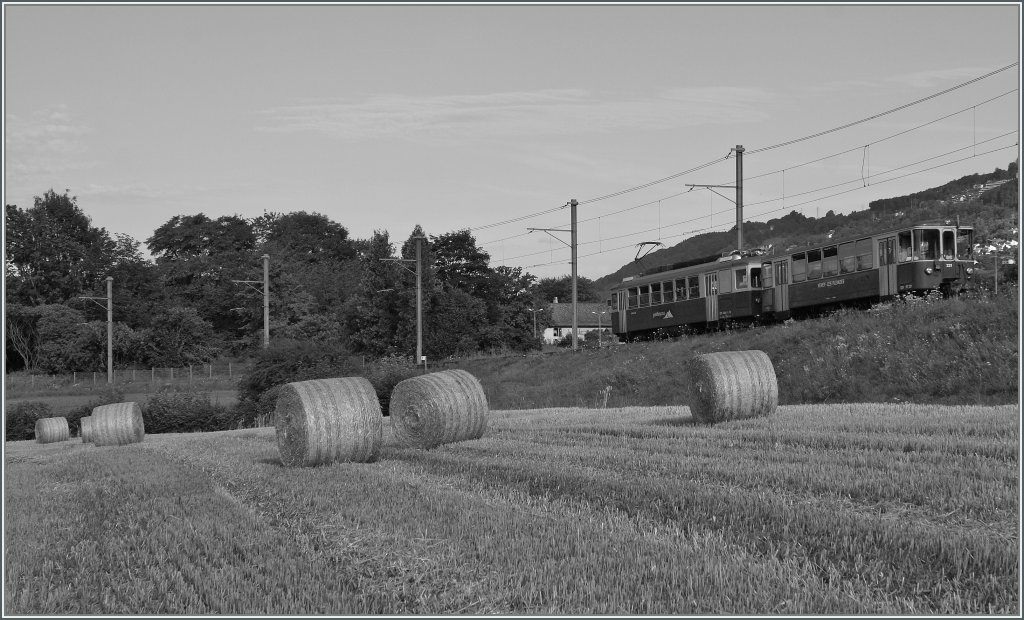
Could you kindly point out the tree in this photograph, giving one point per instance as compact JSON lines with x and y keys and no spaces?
{"x":179,"y":336}
{"x":21,"y":331}
{"x":547,"y":289}
{"x":52,"y":251}
{"x":459,"y":262}
{"x":61,"y":335}
{"x":370,"y":314}
{"x":197,"y":258}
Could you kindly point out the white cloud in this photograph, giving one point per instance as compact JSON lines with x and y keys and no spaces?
{"x":47,"y":141}
{"x":550,"y":112}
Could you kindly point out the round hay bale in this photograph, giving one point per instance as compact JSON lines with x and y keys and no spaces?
{"x":328,"y":420}
{"x":85,"y":426}
{"x":50,"y":430}
{"x":438,"y":408}
{"x":117,"y":424}
{"x":732,"y":385}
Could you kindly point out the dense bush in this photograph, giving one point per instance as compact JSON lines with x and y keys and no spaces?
{"x":288,"y":360}
{"x":106,"y":397}
{"x":20,"y":419}
{"x":922,"y":350}
{"x":185,"y":412}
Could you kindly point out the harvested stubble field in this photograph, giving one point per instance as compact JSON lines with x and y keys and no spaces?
{"x":837,"y":509}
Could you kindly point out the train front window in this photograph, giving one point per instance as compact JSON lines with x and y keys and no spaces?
{"x":965,"y":244}
{"x":755,"y":277}
{"x":906,"y":252}
{"x":948,"y":245}
{"x":926,"y":244}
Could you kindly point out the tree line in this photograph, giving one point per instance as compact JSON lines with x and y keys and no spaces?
{"x":183,"y":306}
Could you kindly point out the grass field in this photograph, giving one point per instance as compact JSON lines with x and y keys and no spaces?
{"x":834,"y":509}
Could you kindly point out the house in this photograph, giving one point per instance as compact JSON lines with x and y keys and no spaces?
{"x":588,"y":314}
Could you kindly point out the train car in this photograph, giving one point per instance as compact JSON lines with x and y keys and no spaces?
{"x":752,"y":285}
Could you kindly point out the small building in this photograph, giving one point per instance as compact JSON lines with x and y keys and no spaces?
{"x":588,"y":315}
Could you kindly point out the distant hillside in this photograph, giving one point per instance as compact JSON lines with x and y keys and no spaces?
{"x":986,"y":201}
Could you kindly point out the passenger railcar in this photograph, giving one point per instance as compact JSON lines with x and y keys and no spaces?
{"x":753,"y":285}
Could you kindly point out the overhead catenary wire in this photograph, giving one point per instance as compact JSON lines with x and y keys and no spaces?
{"x":790,"y":206}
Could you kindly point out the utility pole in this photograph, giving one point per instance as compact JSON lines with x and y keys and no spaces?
{"x":419,"y":295}
{"x":572,"y":204}
{"x":266,"y":301}
{"x":110,"y":326}
{"x":110,"y":330}
{"x":575,"y":319}
{"x":266,"y":297}
{"x":739,"y":194}
{"x":535,"y":311}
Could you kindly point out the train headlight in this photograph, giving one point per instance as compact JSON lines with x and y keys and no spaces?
{"x":970,"y":270}
{"x":928,"y":270}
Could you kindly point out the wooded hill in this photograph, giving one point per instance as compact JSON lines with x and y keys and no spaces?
{"x":993,"y":213}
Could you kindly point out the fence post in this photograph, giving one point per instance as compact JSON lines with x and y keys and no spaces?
{"x":190,"y":374}
{"x":229,"y":370}
{"x":211,"y":370}
{"x":133,"y":375}
{"x":94,"y":378}
{"x":152,"y":375}
{"x":172,"y":373}
{"x":74,"y":378}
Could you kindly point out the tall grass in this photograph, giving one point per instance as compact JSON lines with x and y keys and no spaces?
{"x":922,"y":350}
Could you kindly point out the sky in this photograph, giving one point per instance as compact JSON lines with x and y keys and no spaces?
{"x":493,"y":117}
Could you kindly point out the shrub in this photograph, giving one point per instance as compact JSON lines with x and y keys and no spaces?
{"x":288,"y":361}
{"x":185,"y":412}
{"x":108,"y":396}
{"x":20,"y":419}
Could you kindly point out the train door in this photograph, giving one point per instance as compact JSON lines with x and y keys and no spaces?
{"x":623,"y":307}
{"x":711,"y":296}
{"x":887,"y":284}
{"x":781,"y":288}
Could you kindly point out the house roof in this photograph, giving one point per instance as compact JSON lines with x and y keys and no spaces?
{"x":561,"y":314}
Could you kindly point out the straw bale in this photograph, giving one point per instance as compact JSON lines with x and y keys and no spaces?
{"x":50,"y":430}
{"x":438,"y":408}
{"x":328,"y":420}
{"x":117,"y":424}
{"x":85,"y":426}
{"x":732,"y":385}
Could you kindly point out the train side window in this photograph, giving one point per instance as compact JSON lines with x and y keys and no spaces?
{"x":645,"y":296}
{"x":905,"y":252}
{"x":847,"y":257}
{"x":813,"y":264}
{"x":741,"y":278}
{"x":799,"y":267}
{"x":724,"y":282}
{"x":655,"y":293}
{"x":667,"y":292}
{"x":830,"y":262}
{"x":693,"y":287}
{"x":634,"y":298}
{"x":863,"y":250}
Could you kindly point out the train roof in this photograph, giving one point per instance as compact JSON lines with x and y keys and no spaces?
{"x":757,"y":253}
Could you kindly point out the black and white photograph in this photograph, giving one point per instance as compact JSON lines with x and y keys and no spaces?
{"x":531,"y":309}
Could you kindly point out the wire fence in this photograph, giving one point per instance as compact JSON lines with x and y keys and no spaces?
{"x":142,"y":378}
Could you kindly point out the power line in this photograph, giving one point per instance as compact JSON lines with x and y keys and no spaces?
{"x":881,"y":114}
{"x":760,"y":150}
{"x":790,"y":206}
